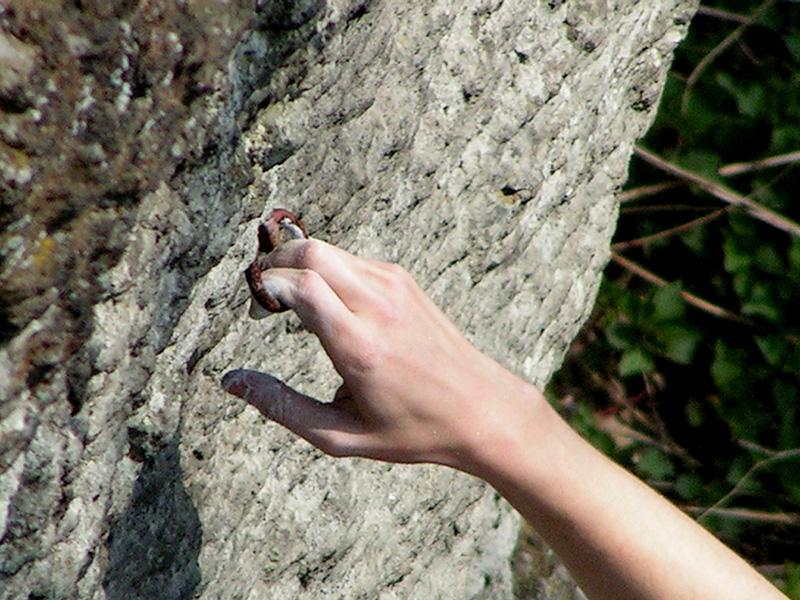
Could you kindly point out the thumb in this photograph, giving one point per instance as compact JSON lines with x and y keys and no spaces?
{"x":333,"y":430}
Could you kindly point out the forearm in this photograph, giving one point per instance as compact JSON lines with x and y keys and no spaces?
{"x":619,"y":538}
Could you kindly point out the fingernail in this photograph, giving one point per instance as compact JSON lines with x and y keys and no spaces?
{"x":232,"y":382}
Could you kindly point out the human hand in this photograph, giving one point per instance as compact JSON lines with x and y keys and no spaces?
{"x":414,"y":389}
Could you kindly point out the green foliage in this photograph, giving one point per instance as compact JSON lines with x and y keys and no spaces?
{"x":647,"y":327}
{"x":792,"y":580}
{"x":710,"y":387}
{"x":654,"y":464}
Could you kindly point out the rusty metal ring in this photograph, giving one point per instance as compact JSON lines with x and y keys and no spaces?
{"x":269,"y":238}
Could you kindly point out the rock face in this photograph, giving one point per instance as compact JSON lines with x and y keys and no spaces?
{"x":479,"y":145}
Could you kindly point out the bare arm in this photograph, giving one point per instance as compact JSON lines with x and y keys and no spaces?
{"x":619,"y":538}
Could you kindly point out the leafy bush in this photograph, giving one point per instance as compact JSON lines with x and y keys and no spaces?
{"x":700,"y":307}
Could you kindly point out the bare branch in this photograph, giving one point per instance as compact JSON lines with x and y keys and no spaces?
{"x":654,"y":208}
{"x":695,"y":301}
{"x":764,"y":163}
{"x":722,"y":14}
{"x":647,"y":190}
{"x":720,"y":191}
{"x":672,"y":231}
{"x":777,"y":457}
{"x":719,"y":49}
{"x":745,"y":514}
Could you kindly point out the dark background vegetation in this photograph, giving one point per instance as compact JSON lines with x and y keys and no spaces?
{"x":699,"y":311}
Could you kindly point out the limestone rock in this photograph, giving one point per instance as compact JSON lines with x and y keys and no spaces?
{"x":478,"y":144}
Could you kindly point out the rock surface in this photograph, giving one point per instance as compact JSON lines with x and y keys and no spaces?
{"x":140,"y":143}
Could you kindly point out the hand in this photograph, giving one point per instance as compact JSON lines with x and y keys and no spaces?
{"x":414,"y":389}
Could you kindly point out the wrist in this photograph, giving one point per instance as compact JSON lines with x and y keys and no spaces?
{"x":509,"y":431}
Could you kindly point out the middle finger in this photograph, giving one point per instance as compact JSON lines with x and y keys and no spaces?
{"x":354,"y":279}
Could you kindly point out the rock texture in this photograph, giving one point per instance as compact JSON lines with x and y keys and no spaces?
{"x":480,"y":145}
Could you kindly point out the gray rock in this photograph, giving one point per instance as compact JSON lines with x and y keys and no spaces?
{"x":480,"y":146}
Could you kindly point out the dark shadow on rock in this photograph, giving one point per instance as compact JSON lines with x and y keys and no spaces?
{"x":154,"y":548}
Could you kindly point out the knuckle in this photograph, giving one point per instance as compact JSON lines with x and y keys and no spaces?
{"x":400,"y":283}
{"x":335,"y":449}
{"x":311,"y":254}
{"x":308,"y":283}
{"x":397,"y":275}
{"x":332,"y":446}
{"x":397,"y":284}
{"x":276,"y":410}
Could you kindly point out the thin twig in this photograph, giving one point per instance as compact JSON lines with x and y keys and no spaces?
{"x":753,"y":447}
{"x":771,"y":570}
{"x":647,"y":190}
{"x":746,"y":514}
{"x":673,"y":230}
{"x":720,"y":191}
{"x":764,"y":163}
{"x":777,"y":457}
{"x":719,"y":49}
{"x":618,"y":429}
{"x":749,"y":53}
{"x":722,"y":14}
{"x":653,"y":208}
{"x":690,"y":298}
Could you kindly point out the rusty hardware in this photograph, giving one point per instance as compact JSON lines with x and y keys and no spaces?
{"x":270,"y":236}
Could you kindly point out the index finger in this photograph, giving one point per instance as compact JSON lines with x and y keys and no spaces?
{"x":320,"y":309}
